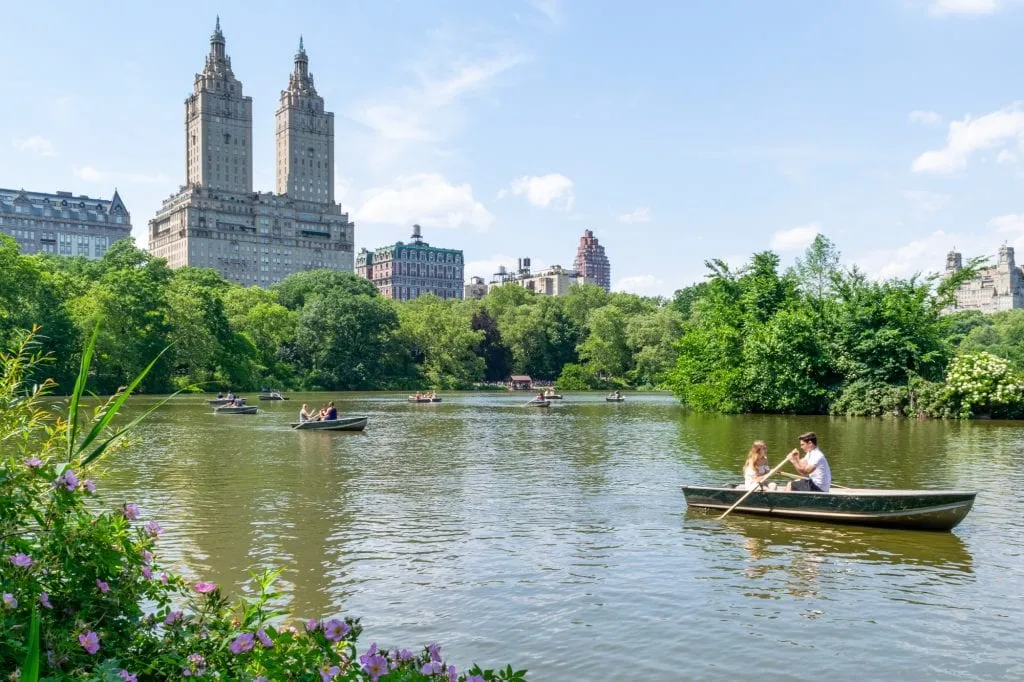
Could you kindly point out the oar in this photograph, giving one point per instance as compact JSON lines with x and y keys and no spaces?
{"x":768,"y":475}
{"x":834,"y":485}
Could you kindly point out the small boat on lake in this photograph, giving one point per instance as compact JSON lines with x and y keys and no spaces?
{"x":915,"y":509}
{"x":552,"y":396}
{"x":272,"y":396}
{"x":615,"y":398}
{"x":539,"y":403}
{"x":217,"y":402}
{"x":235,"y":409}
{"x":424,"y":399}
{"x":340,"y":424}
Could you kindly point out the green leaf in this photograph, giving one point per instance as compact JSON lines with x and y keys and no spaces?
{"x":76,"y":394}
{"x":30,"y":668}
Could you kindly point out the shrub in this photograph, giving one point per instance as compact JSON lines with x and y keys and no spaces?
{"x":981,"y":384}
{"x":84,"y":595}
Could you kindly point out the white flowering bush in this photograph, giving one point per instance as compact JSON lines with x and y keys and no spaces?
{"x":980,"y":383}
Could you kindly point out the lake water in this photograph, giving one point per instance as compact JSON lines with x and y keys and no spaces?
{"x":559,"y":541}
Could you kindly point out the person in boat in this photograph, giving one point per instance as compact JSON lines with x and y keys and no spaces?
{"x":812,"y":465}
{"x":305,"y":415}
{"x":540,"y":397}
{"x":220,"y":396}
{"x":756,"y":466}
{"x":331,"y":413}
{"x":231,"y":396}
{"x":236,"y":402}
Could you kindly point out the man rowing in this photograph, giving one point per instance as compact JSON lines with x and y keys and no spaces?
{"x":812,"y":465}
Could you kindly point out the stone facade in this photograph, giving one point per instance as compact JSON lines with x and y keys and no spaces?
{"x":217,"y":221}
{"x":475,"y":289}
{"x":552,"y":281}
{"x":63,"y":224}
{"x":1000,"y":287}
{"x":591,"y":262}
{"x":406,"y":271}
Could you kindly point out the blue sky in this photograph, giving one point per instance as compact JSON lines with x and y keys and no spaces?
{"x":677,"y":131}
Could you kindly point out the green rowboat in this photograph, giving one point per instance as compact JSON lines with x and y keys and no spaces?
{"x":916,"y":509}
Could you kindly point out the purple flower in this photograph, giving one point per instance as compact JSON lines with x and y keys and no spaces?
{"x":335,"y":630}
{"x":196,"y":665}
{"x":90,"y":641}
{"x":130,"y":511}
{"x":244,"y":642}
{"x":44,"y":599}
{"x":33,"y":462}
{"x":261,"y":679}
{"x":264,"y":639}
{"x":104,"y":587}
{"x":311,"y":625}
{"x":21,"y":560}
{"x":10,"y":601}
{"x":127,"y":676}
{"x":435,"y":651}
{"x":204,"y":588}
{"x":146,"y":555}
{"x":89,"y":486}
{"x":474,"y":678}
{"x":403,"y":655}
{"x":163,"y":577}
{"x":453,"y":674}
{"x":172,"y":618}
{"x":148,"y":572}
{"x":154,"y":529}
{"x":68,"y":480}
{"x":376,"y":665}
{"x":432,"y":668}
{"x":328,"y":674}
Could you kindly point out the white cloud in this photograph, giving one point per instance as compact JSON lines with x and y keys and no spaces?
{"x":1007,"y":157}
{"x":925,"y":201}
{"x":645,"y":285}
{"x":972,"y":135}
{"x":90,"y":174}
{"x":926,"y":117}
{"x":427,"y":199}
{"x":947,"y":7}
{"x":552,"y":190}
{"x":796,"y":238}
{"x":37,"y":144}
{"x":1012,"y":222}
{"x":549,"y":8}
{"x":640,"y":214}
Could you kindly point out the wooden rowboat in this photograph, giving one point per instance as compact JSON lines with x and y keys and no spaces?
{"x":552,"y":396}
{"x":217,"y":402}
{"x":917,"y":509}
{"x":539,"y":403}
{"x":230,"y":409}
{"x":272,"y":396}
{"x":341,"y":424}
{"x":413,"y":399}
{"x":613,"y":399}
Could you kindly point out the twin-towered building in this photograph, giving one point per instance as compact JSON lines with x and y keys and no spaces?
{"x":1000,"y":287}
{"x":216,"y":220}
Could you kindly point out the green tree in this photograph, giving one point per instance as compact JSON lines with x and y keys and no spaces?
{"x":818,"y":267}
{"x":441,"y":339}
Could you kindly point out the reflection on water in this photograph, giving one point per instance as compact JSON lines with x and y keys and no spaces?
{"x":558,"y":540}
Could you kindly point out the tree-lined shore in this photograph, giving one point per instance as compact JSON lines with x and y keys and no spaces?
{"x":817,"y":338}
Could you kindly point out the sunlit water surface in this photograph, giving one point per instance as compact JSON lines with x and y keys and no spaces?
{"x":558,"y":540}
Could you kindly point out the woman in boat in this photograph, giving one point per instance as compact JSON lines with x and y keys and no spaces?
{"x":756,"y":466}
{"x":331,"y":413}
{"x":305,"y":415}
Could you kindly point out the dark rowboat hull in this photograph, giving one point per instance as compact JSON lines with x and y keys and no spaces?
{"x":539,"y":403}
{"x":556,"y":396}
{"x":217,"y":402}
{"x":345,"y":424}
{"x":273,"y":397}
{"x":245,"y":409}
{"x":916,"y":509}
{"x":424,"y":400}
{"x":615,"y":400}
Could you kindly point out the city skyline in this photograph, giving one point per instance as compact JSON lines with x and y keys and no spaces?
{"x":676,"y":134}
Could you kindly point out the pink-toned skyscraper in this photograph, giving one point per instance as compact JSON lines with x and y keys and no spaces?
{"x":591,"y":262}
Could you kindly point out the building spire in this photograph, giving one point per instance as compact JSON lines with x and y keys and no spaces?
{"x":301,"y":49}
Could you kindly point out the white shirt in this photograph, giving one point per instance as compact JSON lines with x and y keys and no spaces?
{"x":822,"y":474}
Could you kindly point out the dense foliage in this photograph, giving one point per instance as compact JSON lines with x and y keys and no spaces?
{"x":817,"y":337}
{"x":84,"y":595}
{"x":821,"y":338}
{"x":322,"y":329}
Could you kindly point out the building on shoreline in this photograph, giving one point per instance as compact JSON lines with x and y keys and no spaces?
{"x":406,"y":271}
{"x":591,"y":262}
{"x":1000,"y":287}
{"x":552,"y":281}
{"x":216,"y":220}
{"x":62,"y":223}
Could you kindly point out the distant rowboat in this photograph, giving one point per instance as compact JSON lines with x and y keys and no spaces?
{"x":342,"y":424}
{"x":231,"y":409}
{"x":423,"y":399}
{"x":216,"y":402}
{"x":272,"y":396}
{"x":552,"y":396}
{"x":539,"y":403}
{"x":613,"y":399}
{"x":917,"y":509}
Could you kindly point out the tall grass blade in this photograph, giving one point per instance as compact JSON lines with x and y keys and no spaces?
{"x":83,"y":375}
{"x":30,"y":669}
